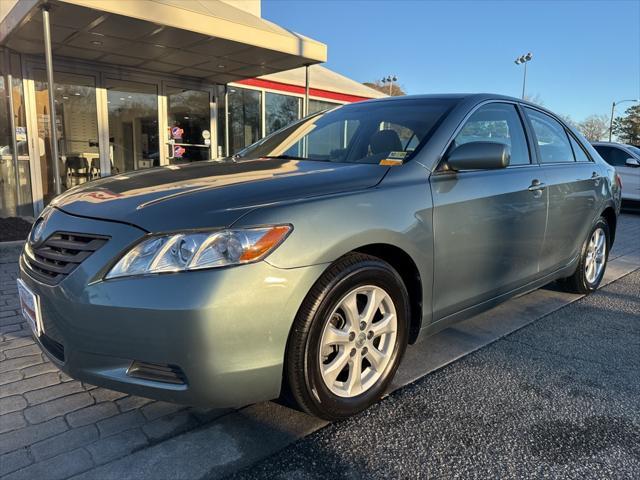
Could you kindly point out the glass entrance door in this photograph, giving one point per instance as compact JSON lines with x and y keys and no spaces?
{"x":188,"y":124}
{"x":133,"y":125}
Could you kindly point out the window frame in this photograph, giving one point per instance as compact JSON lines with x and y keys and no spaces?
{"x":524,"y":121}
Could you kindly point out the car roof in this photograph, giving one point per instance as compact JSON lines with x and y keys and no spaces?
{"x":458,"y":97}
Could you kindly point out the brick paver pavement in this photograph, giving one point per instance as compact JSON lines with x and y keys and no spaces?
{"x":52,"y":426}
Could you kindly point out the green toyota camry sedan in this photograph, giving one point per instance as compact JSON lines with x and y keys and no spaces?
{"x":302,"y":266}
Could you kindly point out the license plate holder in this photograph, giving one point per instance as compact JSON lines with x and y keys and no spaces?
{"x":30,"y":308}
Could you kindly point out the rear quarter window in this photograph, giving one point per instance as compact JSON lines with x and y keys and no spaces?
{"x":578,"y":151}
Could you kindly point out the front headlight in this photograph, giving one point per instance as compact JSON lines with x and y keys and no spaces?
{"x":197,"y":250}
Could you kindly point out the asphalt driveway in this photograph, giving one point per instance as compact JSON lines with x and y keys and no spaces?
{"x":559,"y":398}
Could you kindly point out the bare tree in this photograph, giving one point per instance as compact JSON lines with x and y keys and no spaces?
{"x":396,"y":90}
{"x":568,"y":120}
{"x":594,"y":127}
{"x":537,"y":99}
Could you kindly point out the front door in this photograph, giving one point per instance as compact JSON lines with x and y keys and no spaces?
{"x":489,"y":225}
{"x":189,"y":125}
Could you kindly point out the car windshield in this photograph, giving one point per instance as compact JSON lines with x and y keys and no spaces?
{"x":367,"y":132}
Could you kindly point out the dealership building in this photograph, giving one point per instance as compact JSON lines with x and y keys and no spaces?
{"x":128,"y":85}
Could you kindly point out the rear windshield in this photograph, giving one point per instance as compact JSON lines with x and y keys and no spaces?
{"x":367,"y":132}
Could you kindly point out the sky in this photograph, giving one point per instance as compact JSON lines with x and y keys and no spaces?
{"x":586,"y":54}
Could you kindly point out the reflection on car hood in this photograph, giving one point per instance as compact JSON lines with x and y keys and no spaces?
{"x":211,"y":194}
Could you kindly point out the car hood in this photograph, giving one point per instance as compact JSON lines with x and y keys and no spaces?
{"x":211,"y":194}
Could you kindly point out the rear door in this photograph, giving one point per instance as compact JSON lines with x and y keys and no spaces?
{"x":573,"y":181}
{"x":488,"y":224}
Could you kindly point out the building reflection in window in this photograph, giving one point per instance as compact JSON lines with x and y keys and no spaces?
{"x":244,"y":118}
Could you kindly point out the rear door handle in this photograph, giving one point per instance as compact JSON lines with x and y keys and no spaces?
{"x":536,"y":186}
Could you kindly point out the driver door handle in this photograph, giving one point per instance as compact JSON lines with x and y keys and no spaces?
{"x":536,"y":186}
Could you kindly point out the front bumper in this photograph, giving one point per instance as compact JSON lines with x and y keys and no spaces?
{"x":226,"y":329}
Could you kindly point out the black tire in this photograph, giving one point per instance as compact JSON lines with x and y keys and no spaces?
{"x":304,"y":382}
{"x":578,"y":282}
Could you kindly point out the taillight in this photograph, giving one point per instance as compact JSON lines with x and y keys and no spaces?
{"x":619,"y":181}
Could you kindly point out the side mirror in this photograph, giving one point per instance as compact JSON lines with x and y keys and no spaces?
{"x":479,"y":156}
{"x":632,"y":162}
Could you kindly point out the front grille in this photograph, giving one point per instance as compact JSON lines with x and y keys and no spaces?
{"x":157,"y":372}
{"x":60,"y":254}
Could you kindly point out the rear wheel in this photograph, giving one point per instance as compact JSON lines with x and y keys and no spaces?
{"x":348,"y":338}
{"x":593,"y":261}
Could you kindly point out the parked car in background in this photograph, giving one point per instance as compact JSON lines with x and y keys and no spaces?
{"x":626,"y":160}
{"x":304,"y":265}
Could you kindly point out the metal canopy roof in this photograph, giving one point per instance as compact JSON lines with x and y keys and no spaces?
{"x":197,"y":38}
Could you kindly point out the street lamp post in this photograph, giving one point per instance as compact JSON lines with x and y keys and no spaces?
{"x":390,"y":79}
{"x":613,"y":109}
{"x":520,"y":60}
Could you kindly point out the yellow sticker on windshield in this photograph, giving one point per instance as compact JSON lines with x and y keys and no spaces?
{"x":390,"y":162}
{"x":394,"y":158}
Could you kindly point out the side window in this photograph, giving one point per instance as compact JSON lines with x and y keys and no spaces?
{"x":407,"y":137}
{"x":553,"y":142}
{"x":580,"y":154}
{"x":499,"y":123}
{"x":328,"y":141}
{"x":616,"y":157}
{"x":619,"y":157}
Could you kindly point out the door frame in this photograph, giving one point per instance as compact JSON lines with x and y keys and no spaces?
{"x":213,"y":114}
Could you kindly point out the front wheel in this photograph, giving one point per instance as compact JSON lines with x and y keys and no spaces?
{"x":593,"y":261}
{"x":348,"y":338}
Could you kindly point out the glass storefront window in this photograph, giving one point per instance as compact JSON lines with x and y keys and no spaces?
{"x":5,"y":126}
{"x":133,"y":125}
{"x":15,"y":190}
{"x":76,"y":130}
{"x":244,"y":118}
{"x":189,"y":123}
{"x":319,"y":105}
{"x":280,"y":111}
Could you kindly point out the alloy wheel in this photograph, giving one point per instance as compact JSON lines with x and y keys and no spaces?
{"x":596,"y":255}
{"x":358,"y":341}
